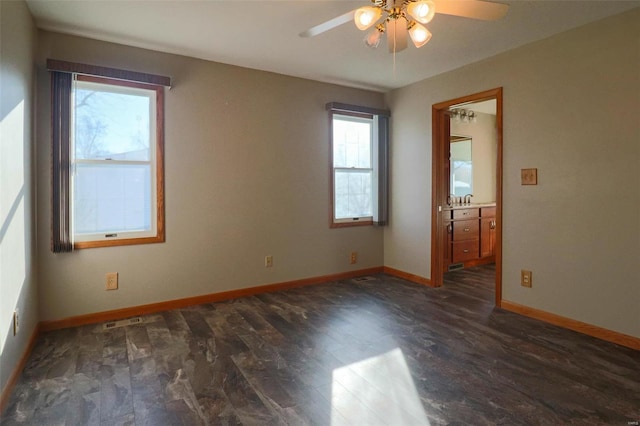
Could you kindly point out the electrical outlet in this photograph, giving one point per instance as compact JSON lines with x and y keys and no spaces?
{"x":354,"y":257}
{"x":112,"y":281}
{"x":268,"y":261}
{"x":16,"y":322}
{"x":525,"y":278}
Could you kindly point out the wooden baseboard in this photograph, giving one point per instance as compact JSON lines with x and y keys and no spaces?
{"x":198,"y":300}
{"x":15,"y":374}
{"x":407,"y":276}
{"x":581,"y":327}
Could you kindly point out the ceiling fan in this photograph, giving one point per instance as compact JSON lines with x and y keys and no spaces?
{"x":399,"y":18}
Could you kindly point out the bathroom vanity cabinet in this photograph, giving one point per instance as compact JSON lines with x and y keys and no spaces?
{"x":488,"y":232}
{"x":470,"y":233}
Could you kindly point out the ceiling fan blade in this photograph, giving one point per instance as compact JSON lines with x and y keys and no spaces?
{"x":329,"y":25}
{"x":474,"y":9}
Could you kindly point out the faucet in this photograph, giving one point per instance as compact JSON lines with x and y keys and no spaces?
{"x":467,"y":198}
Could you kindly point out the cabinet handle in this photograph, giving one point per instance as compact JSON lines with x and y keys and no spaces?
{"x":467,"y":229}
{"x":465,"y":251}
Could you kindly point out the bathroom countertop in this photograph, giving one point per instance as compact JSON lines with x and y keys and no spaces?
{"x":469,"y":206}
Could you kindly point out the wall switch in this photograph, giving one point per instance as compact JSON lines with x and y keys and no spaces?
{"x":112,"y":281}
{"x":529,"y":176}
{"x":268,"y":261}
{"x":525,"y":278}
{"x":16,"y":322}
{"x":354,"y":257}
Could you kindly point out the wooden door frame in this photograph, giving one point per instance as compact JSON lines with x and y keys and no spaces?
{"x":440,"y":137}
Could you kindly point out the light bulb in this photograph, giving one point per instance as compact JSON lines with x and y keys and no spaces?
{"x":422,"y":10}
{"x":366,"y":16}
{"x":372,"y":39}
{"x":419,"y":34}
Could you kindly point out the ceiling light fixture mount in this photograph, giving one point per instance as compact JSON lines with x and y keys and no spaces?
{"x":401,"y":18}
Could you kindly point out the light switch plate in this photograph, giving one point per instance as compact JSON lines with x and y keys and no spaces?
{"x":529,"y":176}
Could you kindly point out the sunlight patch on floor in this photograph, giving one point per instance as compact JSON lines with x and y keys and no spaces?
{"x":376,"y":391}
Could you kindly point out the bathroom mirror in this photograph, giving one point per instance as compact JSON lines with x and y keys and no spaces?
{"x":461,"y":167}
{"x":473,"y":147}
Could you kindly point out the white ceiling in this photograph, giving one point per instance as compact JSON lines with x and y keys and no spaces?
{"x":263,"y":34}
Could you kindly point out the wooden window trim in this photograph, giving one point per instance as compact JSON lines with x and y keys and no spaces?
{"x":160,"y":204}
{"x":368,"y":222}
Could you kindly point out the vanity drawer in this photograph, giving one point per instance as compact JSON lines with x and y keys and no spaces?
{"x":488,"y":212}
{"x":465,"y":250}
{"x":466,"y":230}
{"x":465,"y":213}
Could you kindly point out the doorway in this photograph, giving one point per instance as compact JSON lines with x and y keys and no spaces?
{"x":441,"y":184}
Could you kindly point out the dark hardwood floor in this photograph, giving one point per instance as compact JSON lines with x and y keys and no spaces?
{"x":383,"y":351}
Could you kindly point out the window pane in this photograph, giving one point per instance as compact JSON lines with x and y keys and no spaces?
{"x":461,"y":177}
{"x":352,"y":194}
{"x":352,"y":142}
{"x":112,"y":198}
{"x":112,"y":122}
{"x":461,"y":167}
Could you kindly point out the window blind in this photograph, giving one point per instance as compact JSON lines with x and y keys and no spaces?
{"x":61,"y":240}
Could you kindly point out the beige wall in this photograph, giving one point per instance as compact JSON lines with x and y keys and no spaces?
{"x":247,"y":175}
{"x":483,"y":152}
{"x":571,"y":107}
{"x":18,"y":288}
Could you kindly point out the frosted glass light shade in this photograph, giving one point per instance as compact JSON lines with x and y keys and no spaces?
{"x":366,"y":16}
{"x":419,"y":35}
{"x":372,"y":39}
{"x":422,"y":10}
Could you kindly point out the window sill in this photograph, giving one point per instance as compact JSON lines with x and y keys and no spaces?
{"x":115,"y":243}
{"x":367,"y":222}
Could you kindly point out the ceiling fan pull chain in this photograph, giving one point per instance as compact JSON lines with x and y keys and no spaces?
{"x":394,"y":59}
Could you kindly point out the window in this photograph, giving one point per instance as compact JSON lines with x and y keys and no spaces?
{"x":107,"y":157}
{"x":114,"y":160}
{"x":352,"y":168}
{"x":358,"y":165}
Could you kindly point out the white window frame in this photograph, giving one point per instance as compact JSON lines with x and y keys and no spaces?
{"x":357,"y":118}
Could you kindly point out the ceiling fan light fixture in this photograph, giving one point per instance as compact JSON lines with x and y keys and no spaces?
{"x":419,"y":34}
{"x":367,"y":16}
{"x":422,"y":10}
{"x":372,"y":39}
{"x":400,"y":19}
